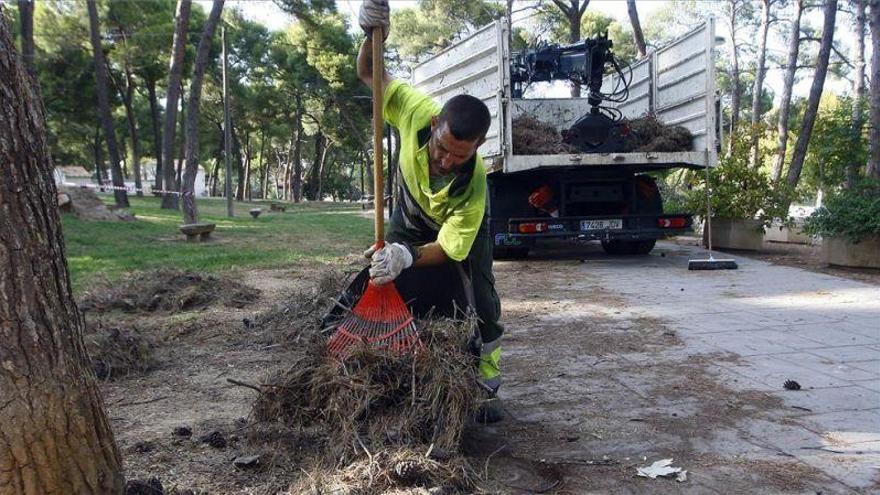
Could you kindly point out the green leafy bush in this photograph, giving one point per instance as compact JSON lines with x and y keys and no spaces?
{"x":851,"y":213}
{"x":739,"y":192}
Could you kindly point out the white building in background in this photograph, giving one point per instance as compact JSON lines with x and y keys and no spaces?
{"x":148,"y":174}
{"x":79,"y":176}
{"x":73,"y":175}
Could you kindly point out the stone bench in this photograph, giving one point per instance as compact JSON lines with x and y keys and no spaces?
{"x":277,"y":207}
{"x":197,"y":232}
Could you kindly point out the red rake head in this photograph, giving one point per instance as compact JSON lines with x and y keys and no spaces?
{"x":380,"y":319}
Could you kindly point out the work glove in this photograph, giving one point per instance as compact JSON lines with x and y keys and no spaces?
{"x":388,"y":262}
{"x":373,"y":14}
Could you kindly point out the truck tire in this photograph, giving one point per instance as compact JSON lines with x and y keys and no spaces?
{"x":648,"y":201}
{"x":510,"y":253}
{"x":629,"y":247}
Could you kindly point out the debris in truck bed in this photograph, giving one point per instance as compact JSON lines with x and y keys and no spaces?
{"x":533,"y":137}
{"x":644,"y":134}
{"x":647,"y":133}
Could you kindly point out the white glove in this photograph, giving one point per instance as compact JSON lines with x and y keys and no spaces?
{"x":388,"y":262}
{"x":373,"y":14}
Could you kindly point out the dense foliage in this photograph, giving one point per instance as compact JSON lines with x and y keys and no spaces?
{"x":852,"y":213}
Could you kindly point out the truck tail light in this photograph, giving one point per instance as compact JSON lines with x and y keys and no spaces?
{"x":672,"y":222}
{"x":532,"y":227}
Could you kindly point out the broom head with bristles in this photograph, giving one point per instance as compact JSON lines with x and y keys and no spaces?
{"x":380,"y":319}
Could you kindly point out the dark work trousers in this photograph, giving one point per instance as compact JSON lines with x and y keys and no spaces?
{"x":486,"y":301}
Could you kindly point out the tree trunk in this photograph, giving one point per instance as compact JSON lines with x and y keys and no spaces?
{"x":852,"y":169}
{"x":55,"y":438}
{"x":181,"y":150}
{"x":260,"y":166}
{"x":314,"y":180}
{"x":758,"y":87}
{"x":873,"y":169}
{"x":215,"y":179}
{"x":800,"y":147}
{"x":321,"y":165}
{"x":26,"y":19}
{"x":288,"y":172}
{"x":99,"y":157}
{"x":297,"y":172}
{"x":157,"y":133}
{"x":246,"y":187}
{"x":734,"y":76}
{"x":187,"y":189}
{"x":119,"y":193}
{"x":785,"y":103}
{"x":181,"y":24}
{"x":127,"y":99}
{"x":236,"y":150}
{"x":638,"y":36}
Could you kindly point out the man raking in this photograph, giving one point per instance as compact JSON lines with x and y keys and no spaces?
{"x":439,"y":216}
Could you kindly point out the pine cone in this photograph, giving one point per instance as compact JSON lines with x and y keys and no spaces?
{"x":409,"y":472}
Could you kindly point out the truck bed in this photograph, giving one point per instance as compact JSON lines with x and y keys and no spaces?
{"x":675,"y":83}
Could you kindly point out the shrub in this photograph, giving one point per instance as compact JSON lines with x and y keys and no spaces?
{"x":851,"y":213}
{"x":739,"y":192}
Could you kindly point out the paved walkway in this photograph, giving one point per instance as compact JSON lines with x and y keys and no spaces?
{"x":776,"y":324}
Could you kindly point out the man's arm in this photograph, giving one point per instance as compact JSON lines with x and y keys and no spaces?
{"x":430,"y":254}
{"x":365,"y":66}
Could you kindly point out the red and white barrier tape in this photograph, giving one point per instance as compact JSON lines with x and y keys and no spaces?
{"x":85,"y":185}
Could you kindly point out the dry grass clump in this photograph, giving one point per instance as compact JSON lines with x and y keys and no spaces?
{"x":648,"y":134}
{"x":298,"y":317}
{"x":117,"y":352}
{"x":169,"y":290}
{"x":376,"y":400}
{"x":401,"y":472}
{"x":533,"y":137}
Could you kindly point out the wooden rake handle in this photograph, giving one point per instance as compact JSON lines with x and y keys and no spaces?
{"x":378,"y":128}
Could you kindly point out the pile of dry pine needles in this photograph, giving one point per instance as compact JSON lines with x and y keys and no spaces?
{"x":390,"y":421}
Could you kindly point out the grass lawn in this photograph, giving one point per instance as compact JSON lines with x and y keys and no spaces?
{"x":107,"y":249}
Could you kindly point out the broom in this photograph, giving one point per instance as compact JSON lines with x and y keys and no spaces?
{"x":711,"y":263}
{"x":380,"y":318}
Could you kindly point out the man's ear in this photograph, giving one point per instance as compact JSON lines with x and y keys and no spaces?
{"x":434,"y":121}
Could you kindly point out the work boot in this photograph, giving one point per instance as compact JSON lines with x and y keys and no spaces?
{"x":492,"y":411}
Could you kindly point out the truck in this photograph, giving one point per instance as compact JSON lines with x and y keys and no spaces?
{"x":602,"y":195}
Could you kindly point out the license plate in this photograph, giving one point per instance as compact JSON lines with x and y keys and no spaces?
{"x":610,"y":224}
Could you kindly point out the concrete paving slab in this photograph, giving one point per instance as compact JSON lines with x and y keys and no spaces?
{"x":872,"y":366}
{"x":751,"y":342}
{"x":868,"y":384}
{"x":826,"y":335}
{"x":829,"y":367}
{"x":833,"y":399}
{"x":853,"y":354}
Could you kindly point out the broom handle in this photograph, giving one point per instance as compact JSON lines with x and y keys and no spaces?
{"x":378,"y":127}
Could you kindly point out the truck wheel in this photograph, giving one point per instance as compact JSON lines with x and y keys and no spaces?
{"x":510,"y":253}
{"x":628,"y":247}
